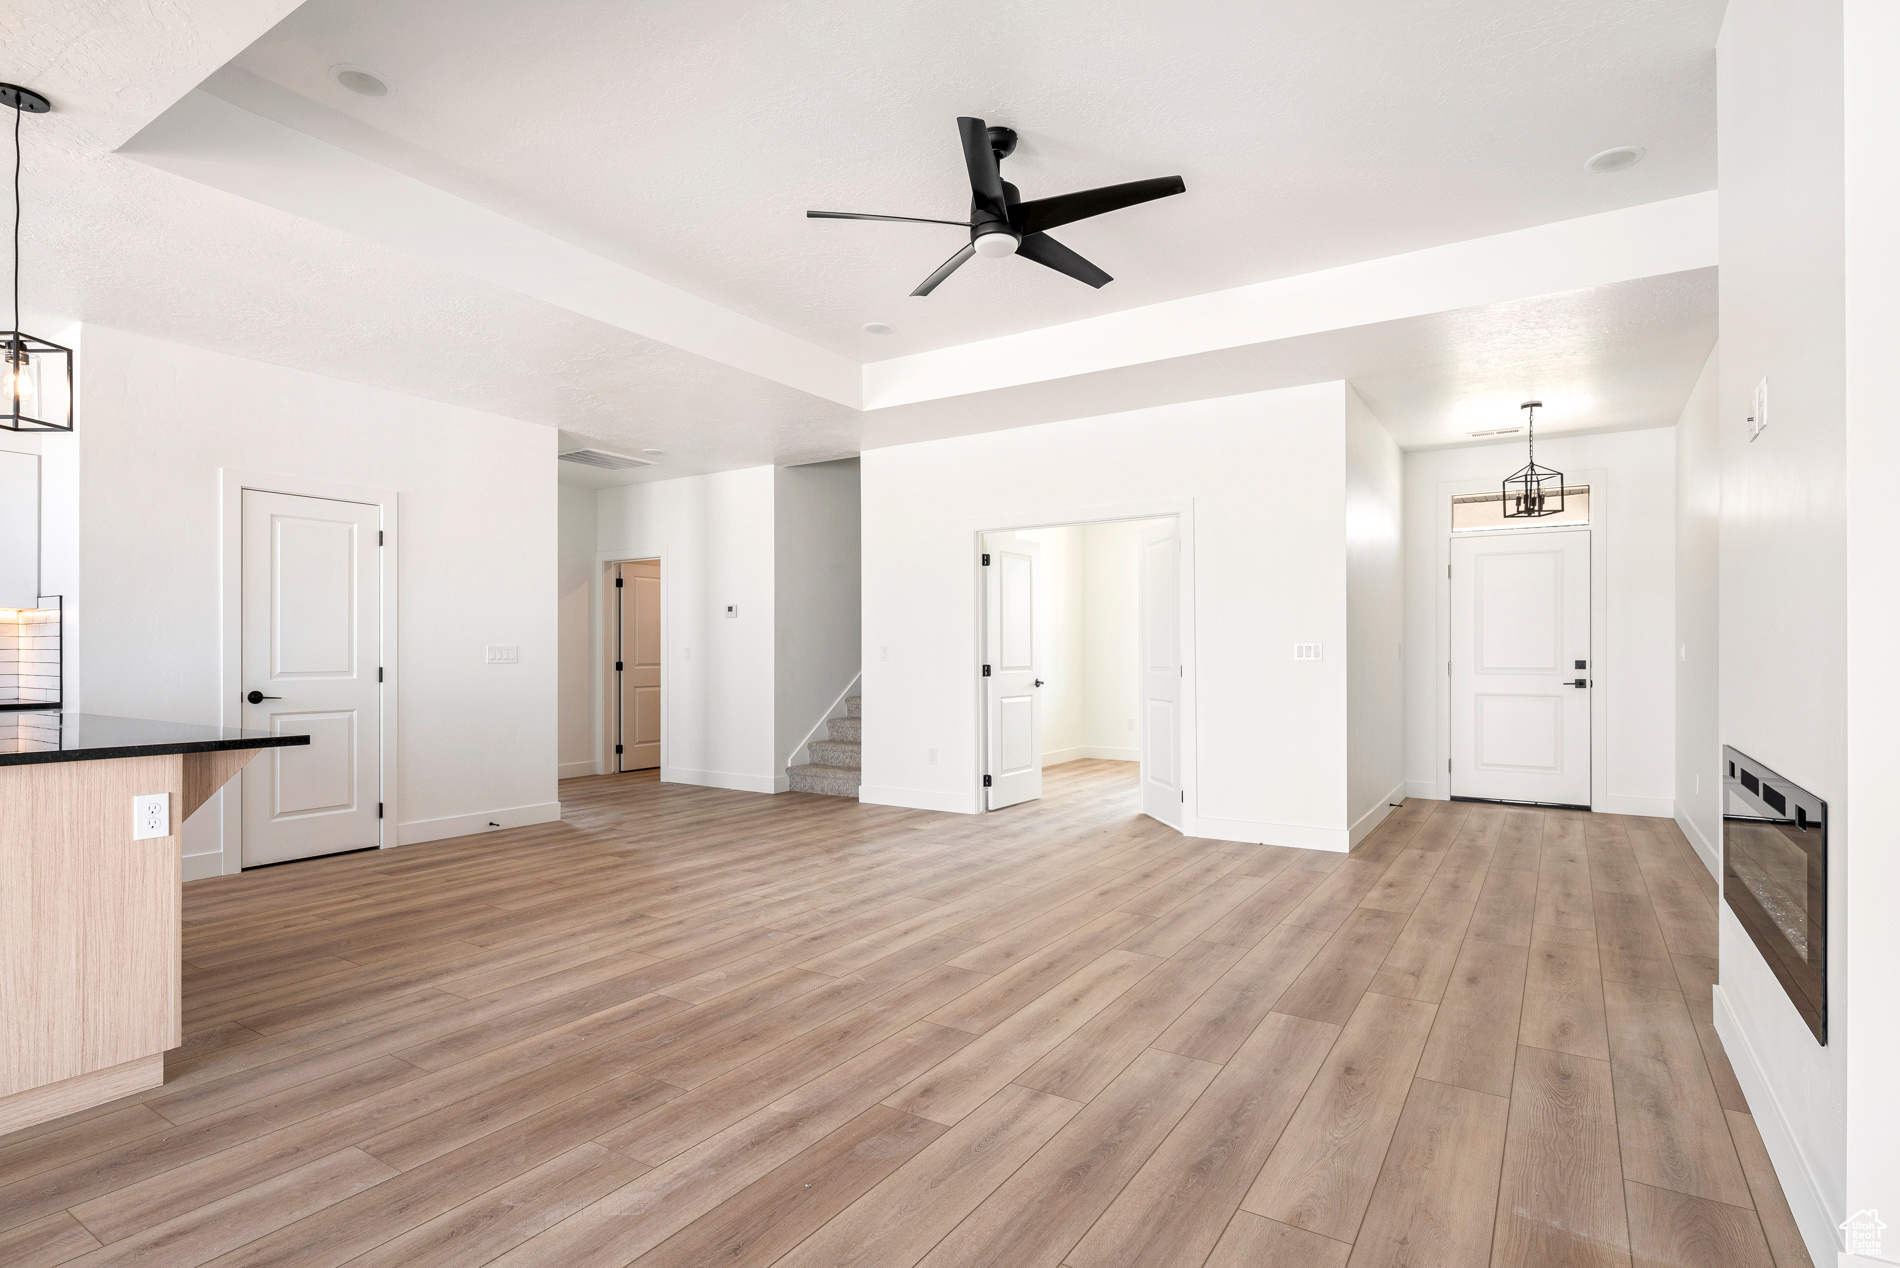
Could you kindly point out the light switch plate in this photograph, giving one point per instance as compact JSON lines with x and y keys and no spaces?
{"x":503,"y":654}
{"x":151,"y":816}
{"x":732,"y":609}
{"x":1758,"y":416}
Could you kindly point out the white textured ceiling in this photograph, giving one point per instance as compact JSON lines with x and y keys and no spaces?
{"x":686,"y":139}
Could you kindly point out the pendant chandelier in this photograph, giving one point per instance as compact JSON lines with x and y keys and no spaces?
{"x":1533,"y":491}
{"x":36,"y":375}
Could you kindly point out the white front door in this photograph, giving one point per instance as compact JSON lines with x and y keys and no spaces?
{"x":1013,"y":704}
{"x":312,"y":631}
{"x":639,"y":665}
{"x":1161,"y":788}
{"x":1521,"y":667}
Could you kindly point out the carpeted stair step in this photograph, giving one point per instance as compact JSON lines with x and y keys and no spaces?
{"x":827,"y":781}
{"x":847,"y":754}
{"x":846,"y":729}
{"x":854,"y":706}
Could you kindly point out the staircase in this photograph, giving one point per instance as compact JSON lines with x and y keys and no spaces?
{"x":835,"y":769}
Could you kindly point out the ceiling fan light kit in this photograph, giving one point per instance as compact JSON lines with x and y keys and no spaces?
{"x":1002,"y":224}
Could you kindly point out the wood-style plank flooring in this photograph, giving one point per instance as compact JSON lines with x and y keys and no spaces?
{"x":694,"y":1027}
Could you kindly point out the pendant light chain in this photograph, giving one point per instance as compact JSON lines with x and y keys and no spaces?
{"x":18,"y":110}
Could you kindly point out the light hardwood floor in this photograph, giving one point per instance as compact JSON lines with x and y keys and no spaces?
{"x":694,"y":1027}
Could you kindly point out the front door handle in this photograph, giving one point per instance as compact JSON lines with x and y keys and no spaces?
{"x":1577,"y":683}
{"x":1039,"y":682}
{"x":258,"y":697}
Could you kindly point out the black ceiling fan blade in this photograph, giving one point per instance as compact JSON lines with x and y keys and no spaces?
{"x":945,"y":269}
{"x":865,"y":215}
{"x":1062,"y":209}
{"x":1049,"y":253}
{"x":986,"y":177}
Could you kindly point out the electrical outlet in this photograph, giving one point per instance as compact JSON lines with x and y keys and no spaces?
{"x":1306,"y":651}
{"x":883,"y":653}
{"x":151,"y":816}
{"x":503,"y":654}
{"x":1131,"y":724}
{"x":933,"y":757}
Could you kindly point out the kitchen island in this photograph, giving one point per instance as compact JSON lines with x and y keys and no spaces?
{"x":90,"y":915}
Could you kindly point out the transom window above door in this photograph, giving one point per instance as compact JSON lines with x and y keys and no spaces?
{"x":1484,"y":512}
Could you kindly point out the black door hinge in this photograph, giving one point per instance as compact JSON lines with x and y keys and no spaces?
{"x":619,"y":581}
{"x":619,"y":748}
{"x":379,"y":537}
{"x":620,"y":667}
{"x":379,"y":673}
{"x":986,"y":671}
{"x":986,"y":781}
{"x":379,"y":810}
{"x":986,"y":559}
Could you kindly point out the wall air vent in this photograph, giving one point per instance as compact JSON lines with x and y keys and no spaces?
{"x":604,"y":460}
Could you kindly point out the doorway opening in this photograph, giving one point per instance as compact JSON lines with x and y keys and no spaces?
{"x":1082,"y":657}
{"x":636,"y":686}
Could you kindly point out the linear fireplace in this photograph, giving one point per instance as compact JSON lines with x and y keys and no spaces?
{"x":1774,"y":877}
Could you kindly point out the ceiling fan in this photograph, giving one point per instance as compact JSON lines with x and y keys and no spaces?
{"x":1001,"y":223}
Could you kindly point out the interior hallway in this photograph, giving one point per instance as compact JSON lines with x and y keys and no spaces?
{"x":688,"y":1026}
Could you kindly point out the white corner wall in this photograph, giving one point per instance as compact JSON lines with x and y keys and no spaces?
{"x":1260,"y":480}
{"x":579,"y":528}
{"x":1698,"y":534}
{"x":1375,"y":619}
{"x":1783,"y":553}
{"x":478,"y":548}
{"x":713,"y":536}
{"x":817,"y":562}
{"x":1633,"y":531}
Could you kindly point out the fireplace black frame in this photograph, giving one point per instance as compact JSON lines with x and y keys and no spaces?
{"x":1762,"y":810}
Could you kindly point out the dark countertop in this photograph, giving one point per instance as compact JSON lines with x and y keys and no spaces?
{"x":54,"y":735}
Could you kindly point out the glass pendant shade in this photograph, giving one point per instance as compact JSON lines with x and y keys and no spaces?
{"x":1531,"y":491}
{"x":36,"y":384}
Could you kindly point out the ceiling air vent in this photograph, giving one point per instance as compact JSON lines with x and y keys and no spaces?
{"x":1499,"y":431}
{"x":604,"y":460}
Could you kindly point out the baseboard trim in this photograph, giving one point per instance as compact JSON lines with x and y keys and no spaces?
{"x":1641,"y":807}
{"x":720,"y":779}
{"x":200,"y":866}
{"x":1362,"y":826}
{"x":1087,"y":752}
{"x":416,"y":831}
{"x":1710,"y":856}
{"x":42,"y":1104}
{"x":574,"y":770}
{"x":918,"y":799}
{"x":1812,"y":1215}
{"x":1299,"y":835}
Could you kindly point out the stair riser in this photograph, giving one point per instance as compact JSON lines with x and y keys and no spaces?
{"x":851,"y":729}
{"x":824,"y":787}
{"x":855,"y":706}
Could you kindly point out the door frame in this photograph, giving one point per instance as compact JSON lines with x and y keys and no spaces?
{"x":232,"y":483}
{"x":1599,"y":481}
{"x":600,"y":693}
{"x":1182,"y":509}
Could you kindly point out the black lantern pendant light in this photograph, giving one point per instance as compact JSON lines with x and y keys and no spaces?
{"x":1533,"y":491}
{"x":36,"y":375}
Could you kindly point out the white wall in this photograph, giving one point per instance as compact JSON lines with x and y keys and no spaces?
{"x":579,"y":528}
{"x":1375,"y":610}
{"x":1087,"y":609}
{"x":1783,"y":590}
{"x":714,"y":537}
{"x":478,"y":548}
{"x":1633,"y":533}
{"x":1698,"y":532}
{"x":1261,"y":478}
{"x":817,"y":562}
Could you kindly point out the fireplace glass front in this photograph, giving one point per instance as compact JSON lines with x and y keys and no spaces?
{"x":1774,"y":877}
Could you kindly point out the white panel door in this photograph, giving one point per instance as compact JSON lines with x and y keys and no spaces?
{"x":639,"y":662}
{"x":312,"y":629}
{"x":1161,"y":787}
{"x":1521,"y":667}
{"x":1014,"y":701}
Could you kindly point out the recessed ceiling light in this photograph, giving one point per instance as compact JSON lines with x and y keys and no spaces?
{"x":1615,"y":159}
{"x":879,"y":328}
{"x":360,"y":80}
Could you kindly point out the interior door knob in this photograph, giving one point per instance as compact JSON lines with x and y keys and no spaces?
{"x":258,"y":697}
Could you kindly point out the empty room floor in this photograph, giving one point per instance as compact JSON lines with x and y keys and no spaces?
{"x":687,"y":1026}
